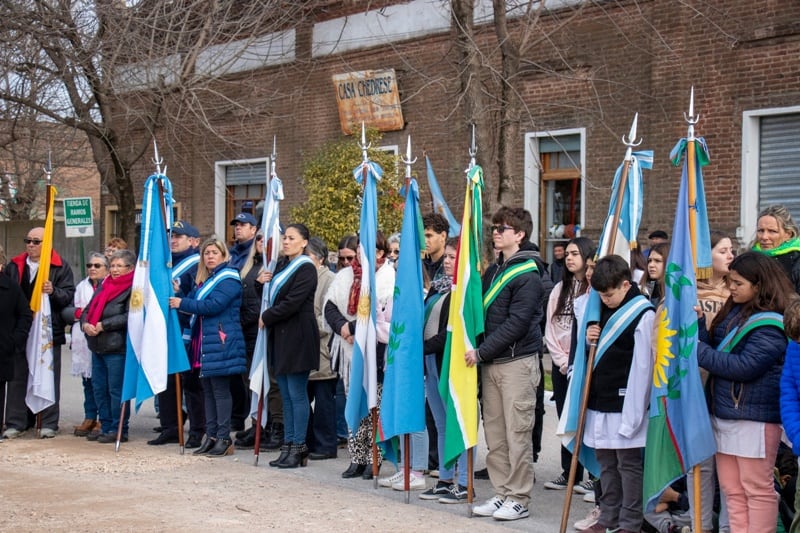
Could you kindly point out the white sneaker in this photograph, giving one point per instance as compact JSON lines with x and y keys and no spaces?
{"x":415,"y":482}
{"x":590,"y":520}
{"x":489,"y":507}
{"x":12,"y":433}
{"x":511,"y":510}
{"x":589,"y":497}
{"x":391,"y":480}
{"x":47,"y":433}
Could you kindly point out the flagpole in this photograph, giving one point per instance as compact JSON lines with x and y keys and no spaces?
{"x":473,"y":152}
{"x":630,"y":142}
{"x":691,"y":155}
{"x":407,"y":161}
{"x":48,"y":172}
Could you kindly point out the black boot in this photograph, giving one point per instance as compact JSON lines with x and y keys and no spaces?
{"x":221,"y":447}
{"x":247,"y":439}
{"x":354,"y":470}
{"x":368,"y":472}
{"x":275,"y":436}
{"x":206,"y":446}
{"x":282,"y":457}
{"x":298,"y":456}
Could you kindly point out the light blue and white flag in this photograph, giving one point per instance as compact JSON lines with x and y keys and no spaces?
{"x":363,"y":393}
{"x":155,"y":346}
{"x":439,"y":204}
{"x":630,"y":216}
{"x":271,"y":226}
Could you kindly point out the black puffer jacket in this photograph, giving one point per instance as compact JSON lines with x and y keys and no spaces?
{"x":112,"y":340}
{"x":251,"y":303}
{"x":512,"y":321}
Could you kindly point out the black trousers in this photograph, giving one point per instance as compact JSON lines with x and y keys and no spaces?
{"x":192,"y":390}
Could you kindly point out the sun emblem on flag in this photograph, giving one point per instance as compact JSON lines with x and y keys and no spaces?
{"x":363,"y":306}
{"x":663,"y":354}
{"x":137,"y":299}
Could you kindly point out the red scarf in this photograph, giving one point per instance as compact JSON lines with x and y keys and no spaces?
{"x":355,"y":288}
{"x":110,"y":289}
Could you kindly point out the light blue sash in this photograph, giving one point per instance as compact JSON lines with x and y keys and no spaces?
{"x":766,"y":318}
{"x":184,"y":265}
{"x":211,"y":283}
{"x":281,"y":278}
{"x":619,"y":321}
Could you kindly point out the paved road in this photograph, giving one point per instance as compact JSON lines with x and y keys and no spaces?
{"x":324,"y":476}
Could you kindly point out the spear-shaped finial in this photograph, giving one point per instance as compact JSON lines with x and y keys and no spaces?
{"x":631,"y":141}
{"x":691,"y":118}
{"x":48,"y":169}
{"x":407,"y":160}
{"x":157,"y":161}
{"x":364,"y":145}
{"x":473,"y":149}
{"x":273,"y":157}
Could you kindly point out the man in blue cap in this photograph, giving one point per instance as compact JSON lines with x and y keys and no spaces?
{"x":244,"y":234}
{"x":185,"y":259}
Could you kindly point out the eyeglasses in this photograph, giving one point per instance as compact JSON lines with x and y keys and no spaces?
{"x":502,"y":228}
{"x":259,"y":238}
{"x":115,"y":265}
{"x":95,"y":265}
{"x":394,"y":252}
{"x":35,"y":242}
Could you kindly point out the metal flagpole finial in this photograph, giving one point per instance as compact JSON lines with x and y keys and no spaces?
{"x":364,"y":145}
{"x":48,"y":168}
{"x":274,"y":156}
{"x":631,"y":141}
{"x":157,"y":161}
{"x":473,"y":149}
{"x":691,"y":118}
{"x":407,"y":161}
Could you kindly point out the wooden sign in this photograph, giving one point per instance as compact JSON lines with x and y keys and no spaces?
{"x":369,"y":96}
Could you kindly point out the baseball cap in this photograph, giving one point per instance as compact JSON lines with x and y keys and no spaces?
{"x":181,"y":227}
{"x":658,"y":234}
{"x":244,"y":218}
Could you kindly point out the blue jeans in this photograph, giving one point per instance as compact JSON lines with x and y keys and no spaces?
{"x":437,"y":409}
{"x":341,"y":401}
{"x":89,"y":405}
{"x":219,"y":405}
{"x":419,"y":450}
{"x":296,"y":410}
{"x":108,"y":371}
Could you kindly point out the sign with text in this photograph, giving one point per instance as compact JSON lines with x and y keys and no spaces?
{"x":369,"y":96}
{"x":78,"y":220}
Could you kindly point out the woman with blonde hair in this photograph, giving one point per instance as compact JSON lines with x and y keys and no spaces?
{"x":217,"y":345}
{"x":778,"y":236}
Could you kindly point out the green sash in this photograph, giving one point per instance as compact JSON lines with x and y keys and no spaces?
{"x":757,"y":320}
{"x":505,"y":278}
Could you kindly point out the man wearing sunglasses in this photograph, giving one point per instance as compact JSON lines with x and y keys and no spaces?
{"x":60,"y":287}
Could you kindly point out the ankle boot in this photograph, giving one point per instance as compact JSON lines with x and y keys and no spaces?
{"x":298,"y":456}
{"x":275,"y":436}
{"x":207,"y":445}
{"x":354,"y":470}
{"x":84,"y":428}
{"x":282,"y":457}
{"x":221,"y":448}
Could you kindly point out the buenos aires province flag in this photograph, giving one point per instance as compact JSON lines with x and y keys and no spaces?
{"x":458,"y":384}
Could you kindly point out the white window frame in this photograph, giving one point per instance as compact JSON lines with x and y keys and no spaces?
{"x":220,"y":187}
{"x":532,"y":180}
{"x":751,"y":160}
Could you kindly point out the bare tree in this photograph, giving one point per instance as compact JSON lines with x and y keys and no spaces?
{"x":114,"y":69}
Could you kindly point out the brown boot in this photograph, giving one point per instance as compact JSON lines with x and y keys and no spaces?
{"x":85,"y":428}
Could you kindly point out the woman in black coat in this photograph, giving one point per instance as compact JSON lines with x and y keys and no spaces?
{"x":15,"y":323}
{"x":293,"y":340}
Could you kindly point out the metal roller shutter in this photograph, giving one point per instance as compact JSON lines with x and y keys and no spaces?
{"x":779,"y":163}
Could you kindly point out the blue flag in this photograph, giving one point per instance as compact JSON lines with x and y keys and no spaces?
{"x":155,"y":346}
{"x":363,"y":393}
{"x":403,"y":399}
{"x":439,"y":203}
{"x":679,"y":433}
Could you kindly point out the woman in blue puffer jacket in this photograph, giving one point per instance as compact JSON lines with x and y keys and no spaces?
{"x":743,"y":352}
{"x":217,"y":345}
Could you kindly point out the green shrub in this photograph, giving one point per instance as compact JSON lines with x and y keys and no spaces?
{"x":333,"y":208}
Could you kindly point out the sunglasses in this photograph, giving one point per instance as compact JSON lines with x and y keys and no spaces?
{"x":345,"y":259}
{"x":35,"y":242}
{"x":95,"y":265}
{"x":501,"y":229}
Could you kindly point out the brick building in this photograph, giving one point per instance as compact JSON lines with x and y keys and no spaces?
{"x":584,"y":70}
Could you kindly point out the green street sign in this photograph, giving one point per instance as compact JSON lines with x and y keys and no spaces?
{"x":78,"y":220}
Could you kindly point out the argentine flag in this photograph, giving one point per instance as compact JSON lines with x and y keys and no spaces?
{"x":155,"y":345}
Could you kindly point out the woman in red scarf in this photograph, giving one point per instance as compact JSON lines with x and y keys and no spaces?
{"x":105,"y":323}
